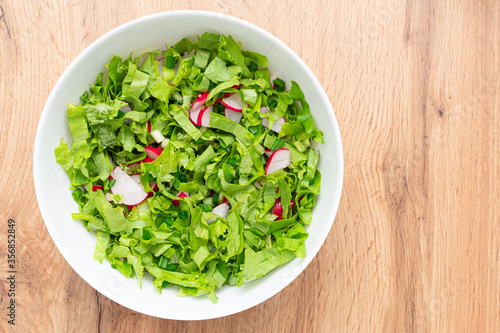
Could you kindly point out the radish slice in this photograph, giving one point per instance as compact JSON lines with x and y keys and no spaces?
{"x":279,"y":159}
{"x":225,"y":200}
{"x":156,"y":134}
{"x":257,"y":184}
{"x":278,"y":209}
{"x":199,"y":102}
{"x":265,"y":121}
{"x":194,"y":115}
{"x":233,"y":102}
{"x":149,"y":126}
{"x":220,"y":210}
{"x":276,"y":126}
{"x":153,"y":185}
{"x":233,"y":115}
{"x":180,"y":195}
{"x":137,"y":179}
{"x":97,"y":187}
{"x":130,"y":192}
{"x":204,"y":116}
{"x":226,"y":94}
{"x":268,"y":152}
{"x":153,"y":152}
{"x":220,"y":98}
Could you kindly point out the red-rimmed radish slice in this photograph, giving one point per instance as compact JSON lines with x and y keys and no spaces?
{"x":130,"y":192}
{"x":136,"y":178}
{"x":225,"y":200}
{"x":272,"y":78}
{"x":233,"y":115}
{"x":153,"y":185}
{"x":153,"y":152}
{"x":233,"y":102}
{"x":268,"y":152}
{"x":97,"y":187}
{"x":265,"y":121}
{"x":257,"y":184}
{"x":220,"y":98}
{"x":278,"y":160}
{"x":276,"y":126}
{"x":204,"y":116}
{"x":194,"y":115}
{"x":220,"y":210}
{"x":149,"y":126}
{"x":278,"y":209}
{"x":180,"y":195}
{"x":225,"y":95}
{"x":301,"y":197}
{"x":199,"y":102}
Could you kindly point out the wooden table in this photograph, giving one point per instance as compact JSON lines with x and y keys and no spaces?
{"x":416,"y":90}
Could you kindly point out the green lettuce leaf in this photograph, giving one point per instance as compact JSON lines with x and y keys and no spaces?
{"x":217,"y":71}
{"x":262,"y":262}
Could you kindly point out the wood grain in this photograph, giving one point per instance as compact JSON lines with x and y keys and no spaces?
{"x":415,"y":86}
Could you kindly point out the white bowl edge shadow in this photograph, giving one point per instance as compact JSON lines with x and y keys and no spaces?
{"x":51,"y":182}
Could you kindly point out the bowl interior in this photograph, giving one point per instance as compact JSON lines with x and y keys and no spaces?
{"x":51,"y":182}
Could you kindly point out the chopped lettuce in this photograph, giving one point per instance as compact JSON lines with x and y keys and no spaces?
{"x":175,"y":235}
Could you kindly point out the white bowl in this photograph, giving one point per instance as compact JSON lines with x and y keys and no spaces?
{"x":51,"y":182}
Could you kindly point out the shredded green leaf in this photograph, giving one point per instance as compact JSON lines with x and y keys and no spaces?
{"x":178,"y":234}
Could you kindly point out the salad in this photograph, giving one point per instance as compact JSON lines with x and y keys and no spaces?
{"x":193,"y":165}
